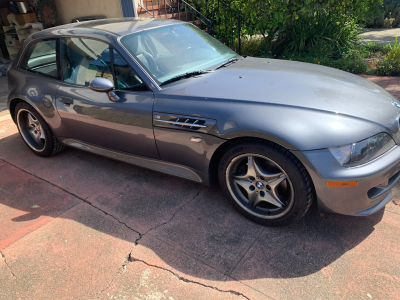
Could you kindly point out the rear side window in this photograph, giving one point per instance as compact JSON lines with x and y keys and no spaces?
{"x":41,"y":57}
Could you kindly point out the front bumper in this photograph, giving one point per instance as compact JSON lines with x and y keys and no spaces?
{"x":375,"y":182}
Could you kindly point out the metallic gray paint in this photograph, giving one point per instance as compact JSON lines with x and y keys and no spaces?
{"x":38,"y":91}
{"x":176,"y":146}
{"x":302,"y":107}
{"x":148,"y":163}
{"x":323,"y":167}
{"x":124,"y":126}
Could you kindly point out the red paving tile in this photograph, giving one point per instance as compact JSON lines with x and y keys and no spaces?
{"x":391,"y":84}
{"x":27,"y":203}
{"x":76,"y":256}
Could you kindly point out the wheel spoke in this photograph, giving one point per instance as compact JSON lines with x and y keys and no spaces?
{"x":274,"y":189}
{"x":267,"y":176}
{"x":41,"y":136}
{"x":37,"y":137}
{"x":244,"y":184}
{"x":272,"y":200}
{"x":32,"y":121}
{"x":253,"y":198}
{"x":251,"y":172}
{"x":36,"y":134}
{"x":251,"y":192}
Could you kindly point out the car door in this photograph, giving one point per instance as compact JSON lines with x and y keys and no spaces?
{"x":125,"y":125}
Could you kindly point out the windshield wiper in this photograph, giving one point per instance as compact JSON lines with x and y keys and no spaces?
{"x":186,"y":75}
{"x":228,"y":62}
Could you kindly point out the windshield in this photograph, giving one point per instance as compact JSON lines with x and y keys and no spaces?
{"x":170,"y":51}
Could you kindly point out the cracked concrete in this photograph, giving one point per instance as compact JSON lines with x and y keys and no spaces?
{"x":129,"y":259}
{"x":165,"y":223}
{"x":120,"y":271}
{"x":8,"y":266}
{"x":143,"y":281}
{"x":132,"y":259}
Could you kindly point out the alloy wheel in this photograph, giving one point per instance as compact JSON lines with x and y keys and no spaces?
{"x":31,"y":130}
{"x":260,"y":186}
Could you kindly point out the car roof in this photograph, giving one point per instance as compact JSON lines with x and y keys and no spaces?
{"x":119,"y":27}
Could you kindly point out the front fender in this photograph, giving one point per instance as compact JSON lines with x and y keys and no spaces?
{"x":293,"y":127}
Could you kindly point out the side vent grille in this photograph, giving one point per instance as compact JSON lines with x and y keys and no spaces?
{"x":194,"y":124}
{"x":183,"y":122}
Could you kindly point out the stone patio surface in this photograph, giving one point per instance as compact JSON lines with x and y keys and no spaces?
{"x":80,"y":226}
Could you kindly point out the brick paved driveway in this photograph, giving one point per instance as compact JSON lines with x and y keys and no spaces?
{"x":391,"y":84}
{"x":79,"y":226}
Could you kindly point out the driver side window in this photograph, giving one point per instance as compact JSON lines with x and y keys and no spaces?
{"x":84,"y":59}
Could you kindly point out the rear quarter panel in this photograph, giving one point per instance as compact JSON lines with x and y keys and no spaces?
{"x":38,"y":91}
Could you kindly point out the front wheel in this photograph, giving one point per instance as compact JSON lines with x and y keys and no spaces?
{"x":265,"y":182}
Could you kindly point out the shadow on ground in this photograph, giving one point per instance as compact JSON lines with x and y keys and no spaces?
{"x":172,"y":216}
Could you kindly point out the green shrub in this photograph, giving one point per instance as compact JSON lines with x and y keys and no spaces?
{"x":390,"y":66}
{"x":374,"y":17}
{"x":374,"y":47}
{"x":383,"y":15}
{"x":355,"y":66}
{"x":367,"y":51}
{"x":275,"y":19}
{"x":352,"y":65}
{"x":254,"y":46}
{"x":394,"y":53}
{"x":321,"y":34}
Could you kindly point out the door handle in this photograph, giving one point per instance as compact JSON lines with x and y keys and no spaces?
{"x":67,"y":101}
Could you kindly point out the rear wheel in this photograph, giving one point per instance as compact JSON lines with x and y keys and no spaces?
{"x":265,"y":182}
{"x":35,"y":132}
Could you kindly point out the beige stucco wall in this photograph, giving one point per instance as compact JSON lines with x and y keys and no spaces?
{"x":70,"y":9}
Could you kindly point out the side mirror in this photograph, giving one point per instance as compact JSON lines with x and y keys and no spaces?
{"x":103,"y":85}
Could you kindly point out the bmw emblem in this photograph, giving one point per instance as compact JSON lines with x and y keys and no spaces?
{"x":259,"y":185}
{"x":396,"y":104}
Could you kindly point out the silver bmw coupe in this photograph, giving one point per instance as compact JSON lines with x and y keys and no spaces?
{"x":165,"y":95}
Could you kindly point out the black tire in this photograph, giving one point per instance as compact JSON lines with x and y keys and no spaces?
{"x":292,"y":189}
{"x":49,"y":144}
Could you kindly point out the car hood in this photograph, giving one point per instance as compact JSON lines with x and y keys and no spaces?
{"x":295,"y":84}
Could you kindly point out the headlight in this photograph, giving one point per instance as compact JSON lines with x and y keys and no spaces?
{"x":362,"y":152}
